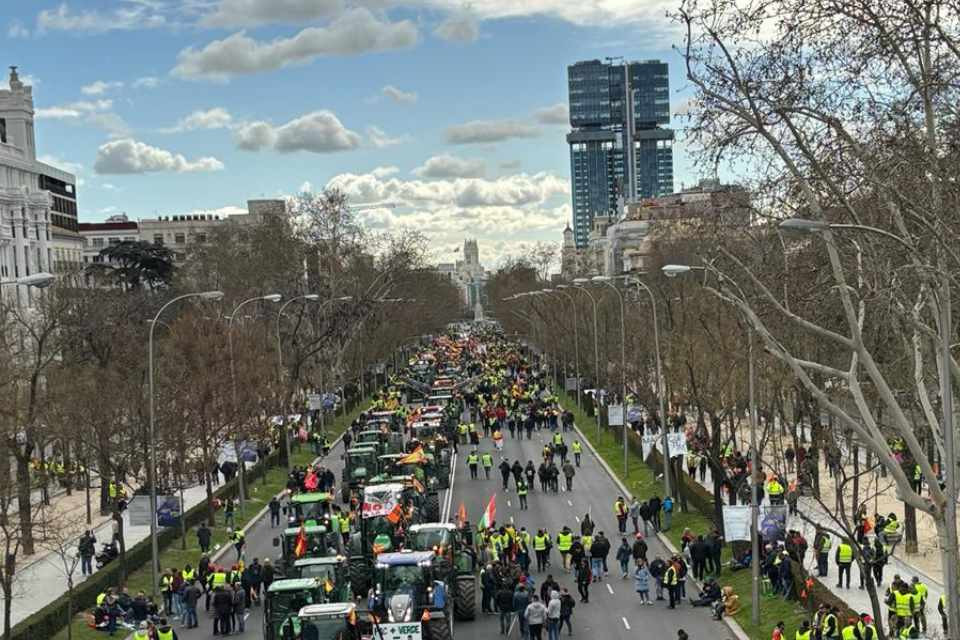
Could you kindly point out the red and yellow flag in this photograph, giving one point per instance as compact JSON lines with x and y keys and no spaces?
{"x":300,"y":546}
{"x":415,"y":457}
{"x":461,"y":514}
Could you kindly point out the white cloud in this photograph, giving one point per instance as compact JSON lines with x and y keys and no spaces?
{"x":132,"y":15}
{"x":398,"y":95}
{"x":486,"y":131}
{"x":686,"y":107}
{"x":381,"y":139}
{"x":383,"y":172}
{"x":100,"y":87}
{"x":555,"y":114}
{"x":318,"y":132}
{"x":306,"y":187}
{"x":448,"y":166}
{"x":96,"y":113}
{"x":146,"y":82}
{"x":250,"y":13}
{"x":128,"y":156}
{"x":215,"y":118}
{"x":73,"y":109}
{"x":356,"y":31}
{"x":460,"y":26}
{"x":110,"y":122}
{"x":601,"y":13}
{"x":17,"y":30}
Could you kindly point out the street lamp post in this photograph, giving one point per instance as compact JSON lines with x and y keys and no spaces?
{"x":152,"y":469}
{"x":577,"y":284}
{"x":560,"y":288}
{"x":672,"y":271}
{"x":273,"y":297}
{"x":661,"y":389}
{"x":623,"y":364}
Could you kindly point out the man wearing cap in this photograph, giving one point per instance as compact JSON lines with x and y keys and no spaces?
{"x":865,"y":629}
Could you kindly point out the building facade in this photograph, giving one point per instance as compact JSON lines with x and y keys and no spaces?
{"x":619,"y":150}
{"x":38,"y":203}
{"x":97,"y":236}
{"x":468,"y":275}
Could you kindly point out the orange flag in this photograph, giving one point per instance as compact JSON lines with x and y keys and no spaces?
{"x":461,"y":514}
{"x":300,"y":547}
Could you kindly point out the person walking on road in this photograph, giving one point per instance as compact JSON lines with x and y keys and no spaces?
{"x":667,"y":513}
{"x":522,"y":494}
{"x":583,"y":579}
{"x":639,"y":549}
{"x":521,"y":598}
{"x":624,"y":553}
{"x":553,"y":616}
{"x":87,"y":548}
{"x":641,"y":582}
{"x":274,"y":512}
{"x":504,"y":602}
{"x":577,"y":450}
{"x":505,"y":471}
{"x":472,"y":461}
{"x":486,"y":459}
{"x":536,"y":615}
{"x":567,"y":603}
{"x":568,"y":473}
{"x":621,"y":511}
{"x":564,"y":544}
{"x":844,"y":558}
{"x":653,"y":506}
{"x":671,"y":580}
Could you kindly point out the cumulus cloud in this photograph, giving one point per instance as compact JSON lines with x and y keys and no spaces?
{"x":381,"y":139}
{"x":215,"y":118}
{"x":383,"y":172}
{"x":398,"y":95}
{"x":461,"y":26}
{"x":250,"y":13}
{"x":486,"y":131}
{"x":448,"y":166}
{"x":128,"y":156}
{"x":138,"y":15}
{"x":95,"y":113}
{"x":318,"y":132}
{"x":594,"y":13}
{"x":354,"y":32}
{"x":99,"y":88}
{"x":556,"y":114}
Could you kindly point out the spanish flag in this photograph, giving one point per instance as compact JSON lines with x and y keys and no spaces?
{"x":415,"y":457}
{"x":300,"y":547}
{"x":395,"y":514}
{"x":327,"y":585}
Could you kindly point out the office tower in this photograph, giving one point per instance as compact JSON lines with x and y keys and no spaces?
{"x":618,"y":148}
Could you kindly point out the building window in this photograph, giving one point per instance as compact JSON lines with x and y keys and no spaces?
{"x":201,"y":237}
{"x":179,"y":238}
{"x":98,"y":242}
{"x":158,"y":239}
{"x":113,"y":241}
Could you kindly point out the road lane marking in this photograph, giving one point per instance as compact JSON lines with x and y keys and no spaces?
{"x":626,"y":624}
{"x":508,"y":503}
{"x":610,"y":589}
{"x":577,"y":518}
{"x":569,"y":503}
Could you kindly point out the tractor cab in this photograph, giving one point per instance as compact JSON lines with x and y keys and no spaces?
{"x":332,"y":572}
{"x":285,"y":598}
{"x":359,"y":465}
{"x":311,"y":509}
{"x":332,"y":621}
{"x":407,"y":590}
{"x":319,"y":543}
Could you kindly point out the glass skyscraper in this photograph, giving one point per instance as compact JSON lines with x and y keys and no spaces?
{"x":617,"y":144}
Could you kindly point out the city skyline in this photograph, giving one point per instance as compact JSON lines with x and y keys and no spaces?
{"x":432,"y":111}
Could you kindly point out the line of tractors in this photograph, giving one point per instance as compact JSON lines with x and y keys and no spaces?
{"x":375,"y":559}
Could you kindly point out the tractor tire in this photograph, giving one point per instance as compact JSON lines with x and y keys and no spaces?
{"x":465,"y":602}
{"x":440,"y":629}
{"x":432,"y":510}
{"x":359,"y":577}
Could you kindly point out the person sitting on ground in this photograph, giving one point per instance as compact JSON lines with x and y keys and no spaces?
{"x":708,"y":595}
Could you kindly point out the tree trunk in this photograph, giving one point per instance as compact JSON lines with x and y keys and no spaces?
{"x":10,"y":566}
{"x":910,"y":528}
{"x":121,"y":543}
{"x":24,"y":510}
{"x":855,"y":500}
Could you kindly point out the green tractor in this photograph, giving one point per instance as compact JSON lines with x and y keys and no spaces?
{"x":359,"y":465}
{"x":409,"y":589}
{"x":384,"y":506}
{"x":312,"y":509}
{"x":331,"y":621}
{"x":333,"y":571}
{"x":454,"y":561}
{"x":286,"y":598}
{"x":386,"y":441}
{"x":424,"y":499}
{"x":321,"y":543}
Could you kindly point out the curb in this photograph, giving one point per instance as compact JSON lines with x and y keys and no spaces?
{"x":731,"y":623}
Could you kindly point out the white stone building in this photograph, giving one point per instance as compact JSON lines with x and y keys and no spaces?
{"x":38,"y":203}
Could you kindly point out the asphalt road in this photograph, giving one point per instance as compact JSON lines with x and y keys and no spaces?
{"x":613,"y":611}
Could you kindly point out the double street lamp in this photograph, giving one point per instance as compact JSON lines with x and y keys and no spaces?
{"x":152,"y":468}
{"x":578,"y":285}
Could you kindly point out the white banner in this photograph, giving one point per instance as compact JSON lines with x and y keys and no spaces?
{"x":378,"y":503}
{"x":615,"y":415}
{"x":736,"y":522}
{"x":649,"y":442}
{"x":677,"y":443}
{"x":397,"y":631}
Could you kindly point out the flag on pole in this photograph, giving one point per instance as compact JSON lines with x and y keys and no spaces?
{"x":461,"y":514}
{"x":486,"y":521}
{"x":416,"y":457}
{"x":300,"y":546}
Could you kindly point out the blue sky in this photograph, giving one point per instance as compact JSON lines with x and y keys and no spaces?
{"x":449,"y":110}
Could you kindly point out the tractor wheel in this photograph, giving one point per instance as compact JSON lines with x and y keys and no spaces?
{"x":440,"y":629}
{"x":359,"y":577}
{"x":432,"y":511}
{"x":465,"y":602}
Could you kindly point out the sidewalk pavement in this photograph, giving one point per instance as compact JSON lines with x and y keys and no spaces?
{"x":857,"y":599}
{"x":42,"y":581}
